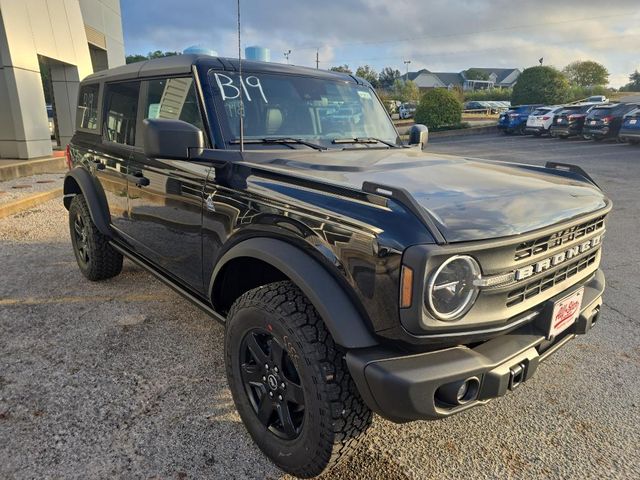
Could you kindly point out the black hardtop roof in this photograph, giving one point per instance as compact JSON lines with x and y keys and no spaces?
{"x":182,"y":64}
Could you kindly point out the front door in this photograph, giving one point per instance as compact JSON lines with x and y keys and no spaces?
{"x":166,"y":196}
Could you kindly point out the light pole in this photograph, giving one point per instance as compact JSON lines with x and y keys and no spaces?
{"x":286,"y":55}
{"x":407,"y":62}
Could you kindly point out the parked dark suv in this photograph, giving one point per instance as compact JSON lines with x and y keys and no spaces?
{"x":570,"y":121}
{"x":353,"y":274}
{"x":604,"y":121}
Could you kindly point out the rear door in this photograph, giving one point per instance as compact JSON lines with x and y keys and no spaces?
{"x":114,"y":152}
{"x":166,"y":196}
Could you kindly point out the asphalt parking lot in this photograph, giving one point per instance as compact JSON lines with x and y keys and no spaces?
{"x":126,"y":379}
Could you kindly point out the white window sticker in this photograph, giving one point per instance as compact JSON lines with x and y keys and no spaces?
{"x":364,"y":94}
{"x":230,"y":91}
{"x":154,"y":110}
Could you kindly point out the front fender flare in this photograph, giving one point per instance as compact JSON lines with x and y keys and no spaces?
{"x":93,"y":194}
{"x":338,"y":311}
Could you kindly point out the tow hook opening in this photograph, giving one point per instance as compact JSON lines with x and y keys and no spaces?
{"x":516,"y":375}
{"x":595,"y":316}
{"x":459,"y":392}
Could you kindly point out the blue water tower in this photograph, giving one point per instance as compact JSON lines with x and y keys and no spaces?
{"x":199,"y":50}
{"x":259,"y":54}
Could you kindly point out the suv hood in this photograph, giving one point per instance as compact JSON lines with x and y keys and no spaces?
{"x":468,"y":199}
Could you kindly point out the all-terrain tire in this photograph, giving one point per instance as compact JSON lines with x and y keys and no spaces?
{"x":335,"y":416}
{"x":96,"y":258}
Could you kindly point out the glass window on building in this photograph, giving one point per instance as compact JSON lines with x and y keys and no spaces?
{"x":121,"y":107}
{"x":173,"y":99}
{"x":87,"y":113}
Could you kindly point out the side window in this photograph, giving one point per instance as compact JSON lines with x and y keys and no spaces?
{"x":174,"y":99}
{"x":121,"y":106}
{"x":87,"y":112}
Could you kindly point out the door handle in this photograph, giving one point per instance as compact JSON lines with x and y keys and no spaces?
{"x":139,"y":180}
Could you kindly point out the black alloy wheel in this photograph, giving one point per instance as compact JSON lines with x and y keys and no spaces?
{"x":81,"y":233}
{"x":272,"y":384}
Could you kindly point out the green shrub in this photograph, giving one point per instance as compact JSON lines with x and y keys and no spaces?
{"x":578,"y":93}
{"x":544,"y":85}
{"x":490,"y":94}
{"x":439,"y":107}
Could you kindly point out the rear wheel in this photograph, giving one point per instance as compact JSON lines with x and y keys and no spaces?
{"x":96,"y":258}
{"x":290,"y":382}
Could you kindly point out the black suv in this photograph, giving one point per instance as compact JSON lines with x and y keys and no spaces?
{"x":605,"y":121}
{"x":352,"y":273}
{"x":570,"y":121}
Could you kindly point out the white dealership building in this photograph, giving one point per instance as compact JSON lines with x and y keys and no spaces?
{"x":46,"y":48}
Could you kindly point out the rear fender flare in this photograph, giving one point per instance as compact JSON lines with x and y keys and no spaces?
{"x":338,"y":311}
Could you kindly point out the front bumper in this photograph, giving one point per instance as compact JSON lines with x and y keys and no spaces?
{"x":403,"y":388}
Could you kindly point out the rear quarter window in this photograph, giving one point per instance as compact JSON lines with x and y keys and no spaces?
{"x":87,"y":111}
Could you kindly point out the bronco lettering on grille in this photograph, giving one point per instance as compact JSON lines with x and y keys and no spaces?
{"x":557,"y":259}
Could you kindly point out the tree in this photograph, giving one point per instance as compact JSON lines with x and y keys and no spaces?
{"x":387,"y":77}
{"x":342,"y":69}
{"x":634,"y":84}
{"x":135,"y":58}
{"x":544,"y":85}
{"x":405,"y":91}
{"x":475,"y":74}
{"x":369,"y":74}
{"x":586,"y":73}
{"x":160,"y":54}
{"x":141,"y":58}
{"x":438,"y":108}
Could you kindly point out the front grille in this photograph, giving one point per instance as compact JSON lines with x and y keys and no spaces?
{"x":535,"y":287}
{"x":549,"y":242}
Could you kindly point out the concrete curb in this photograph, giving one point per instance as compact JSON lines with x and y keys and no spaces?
{"x":25,"y":168}
{"x":28,"y":202}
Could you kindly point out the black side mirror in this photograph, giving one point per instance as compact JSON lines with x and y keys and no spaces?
{"x":165,"y":138}
{"x":418,"y":135}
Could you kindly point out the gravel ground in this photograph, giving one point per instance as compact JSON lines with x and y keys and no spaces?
{"x":19,"y":188}
{"x":126,"y":379}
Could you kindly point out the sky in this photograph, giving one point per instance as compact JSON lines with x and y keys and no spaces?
{"x":439,"y":35}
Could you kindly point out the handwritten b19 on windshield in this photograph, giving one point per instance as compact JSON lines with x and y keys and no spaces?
{"x":230,"y":90}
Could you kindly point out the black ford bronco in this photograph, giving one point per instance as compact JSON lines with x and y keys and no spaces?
{"x":353,"y":274}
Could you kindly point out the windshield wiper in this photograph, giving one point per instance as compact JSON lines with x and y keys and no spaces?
{"x":364,"y":140}
{"x":283,"y":140}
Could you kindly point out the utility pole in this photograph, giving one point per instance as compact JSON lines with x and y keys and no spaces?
{"x":286,"y":55}
{"x":317,"y":58}
{"x":407,"y":62}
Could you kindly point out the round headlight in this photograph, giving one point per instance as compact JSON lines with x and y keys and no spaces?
{"x":451,"y":291}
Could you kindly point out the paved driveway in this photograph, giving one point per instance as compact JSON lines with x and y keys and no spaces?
{"x":125,"y":379}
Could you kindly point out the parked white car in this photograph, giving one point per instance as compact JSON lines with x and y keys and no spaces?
{"x":541,"y":118}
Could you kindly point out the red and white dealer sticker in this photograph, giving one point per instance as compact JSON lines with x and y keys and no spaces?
{"x":565,"y":312}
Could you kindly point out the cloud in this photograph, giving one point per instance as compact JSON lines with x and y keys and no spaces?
{"x":439,"y":35}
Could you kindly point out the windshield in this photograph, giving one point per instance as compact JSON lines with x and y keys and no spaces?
{"x":298,"y":107}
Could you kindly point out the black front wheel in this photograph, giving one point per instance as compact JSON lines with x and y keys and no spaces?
{"x":290,"y":382}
